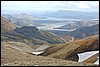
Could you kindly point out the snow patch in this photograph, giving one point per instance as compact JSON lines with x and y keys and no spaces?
{"x":97,"y":62}
{"x":37,"y":53}
{"x":85,"y":55}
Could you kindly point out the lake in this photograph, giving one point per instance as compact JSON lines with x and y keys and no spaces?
{"x":50,"y":23}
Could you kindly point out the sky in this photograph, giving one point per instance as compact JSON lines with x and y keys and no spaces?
{"x":41,"y":6}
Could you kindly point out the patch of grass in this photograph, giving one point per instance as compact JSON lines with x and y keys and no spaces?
{"x":9,"y":36}
{"x":4,"y":37}
{"x":22,"y":46}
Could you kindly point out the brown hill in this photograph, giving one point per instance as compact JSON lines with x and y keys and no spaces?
{"x":69,"y":50}
{"x":7,"y":25}
{"x":28,"y":32}
{"x":7,"y":34}
{"x":13,"y":57}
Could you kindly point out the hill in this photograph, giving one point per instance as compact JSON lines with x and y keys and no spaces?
{"x":33,"y":32}
{"x":13,"y":57}
{"x":69,"y":26}
{"x":20,"y":19}
{"x":73,"y":14}
{"x":85,"y":31}
{"x":79,"y":24}
{"x":79,"y":33}
{"x":29,"y":32}
{"x":7,"y":25}
{"x":7,"y":34}
{"x":70,"y":50}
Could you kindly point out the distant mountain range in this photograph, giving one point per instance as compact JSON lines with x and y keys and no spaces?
{"x":73,"y":14}
{"x":70,"y":26}
{"x":79,"y":24}
{"x":79,"y":33}
{"x":20,"y":19}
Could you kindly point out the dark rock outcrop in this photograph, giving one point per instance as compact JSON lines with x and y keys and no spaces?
{"x":33,"y":32}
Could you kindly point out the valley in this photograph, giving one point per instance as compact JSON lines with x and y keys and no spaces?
{"x":44,"y":38}
{"x":49,"y":33}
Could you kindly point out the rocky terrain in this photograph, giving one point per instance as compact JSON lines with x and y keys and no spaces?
{"x":14,"y":57}
{"x":69,"y":50}
{"x":49,"y":33}
{"x":9,"y":26}
{"x":29,"y":32}
{"x":7,"y":34}
{"x":18,"y":48}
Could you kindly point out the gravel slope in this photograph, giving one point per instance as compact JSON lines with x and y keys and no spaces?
{"x":13,"y":57}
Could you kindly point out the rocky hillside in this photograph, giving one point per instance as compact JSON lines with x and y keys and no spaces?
{"x":7,"y":34}
{"x":20,"y":19}
{"x":6,"y":24}
{"x":13,"y":57}
{"x":8,"y":28}
{"x":33,"y":32}
{"x":69,"y":50}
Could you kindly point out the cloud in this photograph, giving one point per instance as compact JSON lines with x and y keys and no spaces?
{"x":49,"y":5}
{"x":83,"y":5}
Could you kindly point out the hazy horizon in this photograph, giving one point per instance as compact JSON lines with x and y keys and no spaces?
{"x":13,"y":7}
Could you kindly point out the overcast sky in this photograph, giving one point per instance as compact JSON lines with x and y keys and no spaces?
{"x":49,"y":5}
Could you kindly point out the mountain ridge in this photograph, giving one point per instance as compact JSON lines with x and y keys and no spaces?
{"x":62,"y":51}
{"x":7,"y":34}
{"x":33,"y":32}
{"x":13,"y":57}
{"x":73,"y":14}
